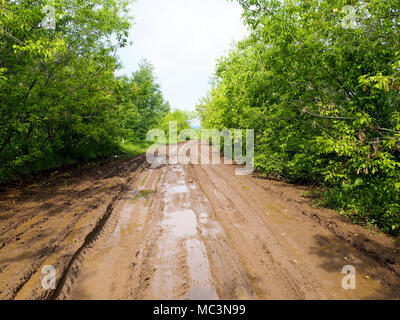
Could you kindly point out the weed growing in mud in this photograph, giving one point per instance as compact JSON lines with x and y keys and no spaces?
{"x":142,"y":194}
{"x":313,"y":194}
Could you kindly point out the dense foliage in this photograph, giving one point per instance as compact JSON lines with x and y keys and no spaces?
{"x":320,"y":86}
{"x":60,"y":100}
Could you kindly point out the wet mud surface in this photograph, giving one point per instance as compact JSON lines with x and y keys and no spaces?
{"x":185,"y":231}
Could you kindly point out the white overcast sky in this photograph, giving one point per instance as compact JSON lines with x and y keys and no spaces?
{"x":182,"y":39}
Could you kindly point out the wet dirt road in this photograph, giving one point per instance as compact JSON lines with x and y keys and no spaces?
{"x":198,"y":231}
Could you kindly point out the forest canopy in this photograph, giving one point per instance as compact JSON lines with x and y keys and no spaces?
{"x":319,"y":82}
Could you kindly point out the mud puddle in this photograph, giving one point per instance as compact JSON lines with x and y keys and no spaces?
{"x":181,"y":242}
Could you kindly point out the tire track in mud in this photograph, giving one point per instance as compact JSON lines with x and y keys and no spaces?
{"x":271,"y":277}
{"x":299,"y":259}
{"x":142,"y":265}
{"x":105,"y":226}
{"x":103,"y":272}
{"x":182,"y":269}
{"x":221,"y":255}
{"x":89,"y":191}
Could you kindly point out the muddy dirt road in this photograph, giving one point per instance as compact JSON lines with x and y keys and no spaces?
{"x":185,"y":231}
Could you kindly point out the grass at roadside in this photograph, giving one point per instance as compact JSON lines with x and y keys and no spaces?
{"x":131,"y":149}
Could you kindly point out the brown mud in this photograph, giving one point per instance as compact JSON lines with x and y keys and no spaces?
{"x":123,"y":230}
